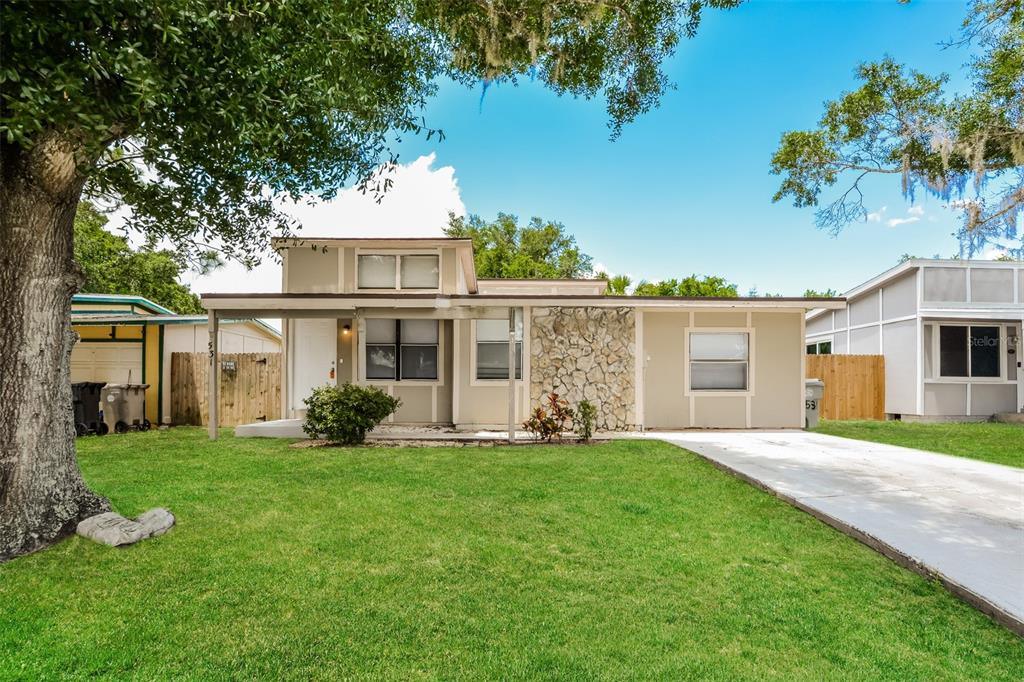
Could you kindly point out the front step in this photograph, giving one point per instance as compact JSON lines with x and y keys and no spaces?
{"x":1009,"y":417}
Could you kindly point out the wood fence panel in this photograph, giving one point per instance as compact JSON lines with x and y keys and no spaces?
{"x":249,"y":392}
{"x":854,"y":385}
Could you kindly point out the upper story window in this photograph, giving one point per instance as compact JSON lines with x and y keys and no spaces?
{"x":401,"y":271}
{"x":719,"y":361}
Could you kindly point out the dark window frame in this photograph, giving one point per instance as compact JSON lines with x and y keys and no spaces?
{"x":968,"y":351}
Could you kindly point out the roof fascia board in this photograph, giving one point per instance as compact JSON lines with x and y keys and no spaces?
{"x":349,"y":302}
{"x":121,"y":298}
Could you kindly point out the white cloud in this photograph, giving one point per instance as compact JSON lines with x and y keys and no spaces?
{"x":914,"y":214}
{"x":893,"y":222}
{"x":417,"y":205}
{"x":876,"y":216}
{"x":992,"y":253}
{"x":601,"y":267}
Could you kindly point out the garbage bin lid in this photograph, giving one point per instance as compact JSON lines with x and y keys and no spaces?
{"x":814,"y":382}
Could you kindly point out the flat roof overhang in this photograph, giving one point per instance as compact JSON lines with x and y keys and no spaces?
{"x":480,"y":306}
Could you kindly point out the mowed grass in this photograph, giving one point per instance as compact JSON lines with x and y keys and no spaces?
{"x":624,"y":560}
{"x":987,"y":441}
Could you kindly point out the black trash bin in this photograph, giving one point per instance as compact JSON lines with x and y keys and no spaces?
{"x":86,"y":401}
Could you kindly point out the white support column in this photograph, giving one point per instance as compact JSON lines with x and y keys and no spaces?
{"x":214,"y":373}
{"x":511,"y":375}
{"x":285,"y":360}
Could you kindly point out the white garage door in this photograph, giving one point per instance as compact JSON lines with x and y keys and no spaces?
{"x":114,"y":363}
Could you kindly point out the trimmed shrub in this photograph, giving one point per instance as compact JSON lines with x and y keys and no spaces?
{"x":586,"y":415}
{"x":344,"y":414}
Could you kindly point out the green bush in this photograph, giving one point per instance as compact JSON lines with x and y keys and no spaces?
{"x":344,"y":414}
{"x":586,"y":415}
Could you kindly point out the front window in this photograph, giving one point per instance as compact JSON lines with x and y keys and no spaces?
{"x":492,"y":348}
{"x":418,"y":340}
{"x":381,"y":349}
{"x":969,"y":351}
{"x":409,"y":271}
{"x":719,"y":361}
{"x":401,"y":349}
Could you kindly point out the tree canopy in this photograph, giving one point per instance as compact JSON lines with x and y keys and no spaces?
{"x":197,"y":114}
{"x":110,"y":266}
{"x":966,"y":149}
{"x":692,"y":286}
{"x":503,"y":249}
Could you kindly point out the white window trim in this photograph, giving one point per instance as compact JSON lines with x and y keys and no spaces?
{"x":707,"y":393}
{"x":938,"y":378}
{"x":398,"y":253}
{"x":473,"y":380}
{"x":439,"y":381}
{"x":817,"y":346}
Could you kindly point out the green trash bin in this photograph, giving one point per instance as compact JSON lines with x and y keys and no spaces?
{"x":124,"y":407}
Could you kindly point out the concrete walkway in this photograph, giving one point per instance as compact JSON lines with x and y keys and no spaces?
{"x":957,"y":519}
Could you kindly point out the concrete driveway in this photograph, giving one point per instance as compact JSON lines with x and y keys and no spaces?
{"x":963,"y":520}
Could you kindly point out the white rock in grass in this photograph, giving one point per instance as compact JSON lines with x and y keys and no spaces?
{"x":112,"y":529}
{"x":156,"y":521}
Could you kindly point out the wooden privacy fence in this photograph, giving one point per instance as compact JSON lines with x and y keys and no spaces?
{"x":250,"y":388}
{"x":854,"y":385}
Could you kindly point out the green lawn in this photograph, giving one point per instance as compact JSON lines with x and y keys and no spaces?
{"x":625,"y":560}
{"x":991,"y":442}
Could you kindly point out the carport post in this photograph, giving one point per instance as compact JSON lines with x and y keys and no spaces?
{"x":511,"y":375}
{"x":214,"y":373}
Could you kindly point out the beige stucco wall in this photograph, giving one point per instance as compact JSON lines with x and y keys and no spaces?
{"x":482,"y":404}
{"x":775,"y":398}
{"x":333,"y":269}
{"x":424,"y":402}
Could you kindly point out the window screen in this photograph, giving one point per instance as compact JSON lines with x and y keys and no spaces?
{"x":419,"y":349}
{"x":953,"y":351}
{"x":420,"y":272}
{"x":377,"y":272}
{"x":492,"y":348}
{"x":381,"y":356}
{"x":984,"y":351}
{"x":719,"y":361}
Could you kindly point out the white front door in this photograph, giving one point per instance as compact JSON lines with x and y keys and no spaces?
{"x":314,"y":352}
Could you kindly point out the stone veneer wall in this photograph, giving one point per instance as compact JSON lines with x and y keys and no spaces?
{"x":586,"y":353}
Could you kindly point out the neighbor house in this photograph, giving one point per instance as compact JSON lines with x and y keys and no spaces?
{"x":129,"y":339}
{"x":950,"y":331}
{"x":411,"y":317}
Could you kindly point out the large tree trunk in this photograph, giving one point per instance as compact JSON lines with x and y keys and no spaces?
{"x":42,"y":494}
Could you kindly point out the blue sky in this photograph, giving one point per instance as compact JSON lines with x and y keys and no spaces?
{"x":687,"y":187}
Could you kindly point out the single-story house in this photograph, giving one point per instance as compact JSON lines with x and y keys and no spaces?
{"x":126,"y":339}
{"x":950,"y":331}
{"x":411,"y":317}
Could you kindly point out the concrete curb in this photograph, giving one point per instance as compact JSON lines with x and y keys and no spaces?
{"x":996,"y":613}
